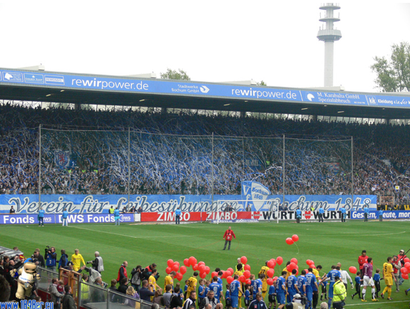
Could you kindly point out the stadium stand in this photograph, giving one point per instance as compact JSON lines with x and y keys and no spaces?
{"x":171,"y":154}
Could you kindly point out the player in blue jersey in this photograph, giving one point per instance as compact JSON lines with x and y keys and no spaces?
{"x":311,"y":285}
{"x":331,"y":276}
{"x":228,"y":299}
{"x":247,"y":298}
{"x":235,"y":289}
{"x":302,"y":283}
{"x":376,"y":279}
{"x":343,"y":214}
{"x":272,"y":297}
{"x":201,"y":293}
{"x":216,"y":288}
{"x":292,"y":286}
{"x":281,"y":290}
{"x":257,"y":286}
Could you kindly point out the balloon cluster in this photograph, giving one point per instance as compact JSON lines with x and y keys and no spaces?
{"x":292,"y":240}
{"x":406,"y":269}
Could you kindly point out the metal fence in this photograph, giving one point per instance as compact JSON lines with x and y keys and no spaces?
{"x":128,"y":162}
{"x":89,"y":295}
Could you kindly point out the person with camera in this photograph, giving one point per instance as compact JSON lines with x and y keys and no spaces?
{"x":98,"y":263}
{"x":136,"y":275}
{"x":38,"y":258}
{"x":51,"y":258}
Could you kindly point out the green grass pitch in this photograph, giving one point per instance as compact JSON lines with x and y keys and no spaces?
{"x":325,"y":243}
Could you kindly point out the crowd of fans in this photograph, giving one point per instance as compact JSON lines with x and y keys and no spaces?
{"x":88,"y":152}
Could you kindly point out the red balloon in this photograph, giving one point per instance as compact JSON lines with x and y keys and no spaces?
{"x":248,"y":281}
{"x":270,"y":272}
{"x":201,"y":263}
{"x":353,"y":270}
{"x":308,"y":262}
{"x":170,"y":263}
{"x":230,"y":271}
{"x":293,"y":266}
{"x":248,"y":267}
{"x":168,"y":270}
{"x":405,"y":276}
{"x":182,"y":269}
{"x":295,"y":238}
{"x":214,"y":273}
{"x":225,"y":274}
{"x":270,"y":264}
{"x":275,"y":278}
{"x":406,"y":260}
{"x":247,"y":274}
{"x":289,"y":241}
{"x":407,"y":265}
{"x":294,"y":260}
{"x":195,"y":267}
{"x":201,"y":268}
{"x":279,"y":260}
{"x":242,"y":278}
{"x":269,"y":281}
{"x":229,"y":280}
{"x":207,"y":269}
{"x":179,"y":276}
{"x":186,"y":263}
{"x":202,"y":275}
{"x":175,"y":267}
{"x":192,"y":261}
{"x":244,"y":260}
{"x":404,"y":270}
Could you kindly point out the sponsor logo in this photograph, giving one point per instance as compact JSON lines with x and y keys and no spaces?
{"x":62,"y":158}
{"x":204,"y":89}
{"x":34,"y":78}
{"x":12,"y":77}
{"x":256,"y":215}
{"x":308,"y":215}
{"x":54,"y":80}
{"x":310,"y":97}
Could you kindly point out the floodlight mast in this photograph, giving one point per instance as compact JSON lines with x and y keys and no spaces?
{"x":329,"y":35}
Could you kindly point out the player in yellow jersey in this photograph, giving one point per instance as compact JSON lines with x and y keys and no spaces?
{"x":169,"y":279}
{"x":192,"y":282}
{"x":77,"y":258}
{"x":288,"y":273}
{"x":264,"y":271}
{"x":153,"y":286}
{"x":388,"y":277}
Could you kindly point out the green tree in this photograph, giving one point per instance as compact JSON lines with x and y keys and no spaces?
{"x":173,"y":74}
{"x":394,"y":75}
{"x":261,"y":83}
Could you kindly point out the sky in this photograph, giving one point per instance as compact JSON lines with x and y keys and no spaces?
{"x":213,"y":41}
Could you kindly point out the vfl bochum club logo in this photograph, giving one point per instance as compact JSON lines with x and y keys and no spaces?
{"x":61,"y":158}
{"x":255,"y":194}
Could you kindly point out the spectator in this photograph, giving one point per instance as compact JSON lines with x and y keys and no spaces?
{"x":131,"y":293}
{"x":4,"y":289}
{"x":145,"y":292}
{"x":68,"y":300}
{"x":123,"y":285}
{"x":56,"y":296}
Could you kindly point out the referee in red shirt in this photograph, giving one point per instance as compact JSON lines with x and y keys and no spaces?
{"x":228,"y":237}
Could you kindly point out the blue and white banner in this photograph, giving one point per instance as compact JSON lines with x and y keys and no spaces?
{"x":57,"y":218}
{"x":387,"y":215}
{"x":256,"y":201}
{"x":149,"y":86}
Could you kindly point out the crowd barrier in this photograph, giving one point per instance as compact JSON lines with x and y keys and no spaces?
{"x":219,"y":217}
{"x":96,"y":297}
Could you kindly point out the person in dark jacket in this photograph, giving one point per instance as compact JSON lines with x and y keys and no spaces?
{"x":144,"y":292}
{"x":68,"y":300}
{"x":123,"y":286}
{"x":176,"y":298}
{"x":63,"y":259}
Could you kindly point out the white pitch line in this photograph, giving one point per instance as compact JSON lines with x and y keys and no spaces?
{"x":376,"y":303}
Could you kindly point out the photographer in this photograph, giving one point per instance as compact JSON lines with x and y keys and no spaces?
{"x":98,"y":263}
{"x":93,"y":274}
{"x":38,"y":258}
{"x":136,"y":275}
{"x":51,"y":258}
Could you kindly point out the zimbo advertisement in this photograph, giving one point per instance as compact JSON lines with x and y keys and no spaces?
{"x":183,"y":88}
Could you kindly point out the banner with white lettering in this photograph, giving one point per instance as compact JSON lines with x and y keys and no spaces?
{"x":259,"y":200}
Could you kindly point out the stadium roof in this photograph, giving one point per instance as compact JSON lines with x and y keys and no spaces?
{"x":26,"y":85}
